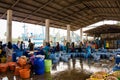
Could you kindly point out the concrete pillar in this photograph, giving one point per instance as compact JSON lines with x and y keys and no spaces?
{"x":9,"y":26}
{"x":68,"y":33}
{"x":94,"y":37}
{"x":47,"y":24}
{"x":81,"y":34}
{"x":72,"y":37}
{"x":86,"y":37}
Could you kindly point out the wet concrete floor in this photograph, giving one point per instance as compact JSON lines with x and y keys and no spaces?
{"x":75,"y":69}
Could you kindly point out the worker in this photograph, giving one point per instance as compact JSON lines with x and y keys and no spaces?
{"x":31,"y":46}
{"x":9,"y":51}
{"x":88,"y":50}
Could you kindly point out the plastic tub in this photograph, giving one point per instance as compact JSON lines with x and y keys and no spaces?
{"x":25,"y":73}
{"x":3,"y":67}
{"x":17,"y":69}
{"x":12,"y":65}
{"x":48,"y":64}
{"x":39,"y":71}
{"x":39,"y":67}
{"x":28,"y":66}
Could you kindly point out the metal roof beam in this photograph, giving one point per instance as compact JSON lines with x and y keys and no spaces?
{"x":9,"y":8}
{"x":83,"y":10}
{"x":37,"y":10}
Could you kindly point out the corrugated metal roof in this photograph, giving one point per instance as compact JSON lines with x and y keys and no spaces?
{"x":77,"y":13}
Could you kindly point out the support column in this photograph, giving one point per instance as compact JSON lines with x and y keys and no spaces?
{"x":47,"y":24}
{"x":81,"y":34}
{"x":72,"y":40}
{"x":86,"y":37}
{"x":68,"y":33}
{"x":9,"y":25}
{"x":94,"y":37}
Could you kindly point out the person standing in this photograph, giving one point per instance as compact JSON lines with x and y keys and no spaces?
{"x":57,"y":47}
{"x":67,"y":47}
{"x":88,"y":49}
{"x":18,"y":44}
{"x":9,"y":51}
{"x":46,"y":50}
{"x":31,"y":46}
{"x":22,"y":46}
{"x":80,"y":47}
{"x":72,"y":47}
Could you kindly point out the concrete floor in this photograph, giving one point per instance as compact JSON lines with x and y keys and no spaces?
{"x":75,"y":69}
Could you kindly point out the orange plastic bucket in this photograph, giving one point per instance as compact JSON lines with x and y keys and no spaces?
{"x":12,"y":65}
{"x":17,"y":69}
{"x":25,"y":73}
{"x":3,"y":67}
{"x":28,"y":66}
